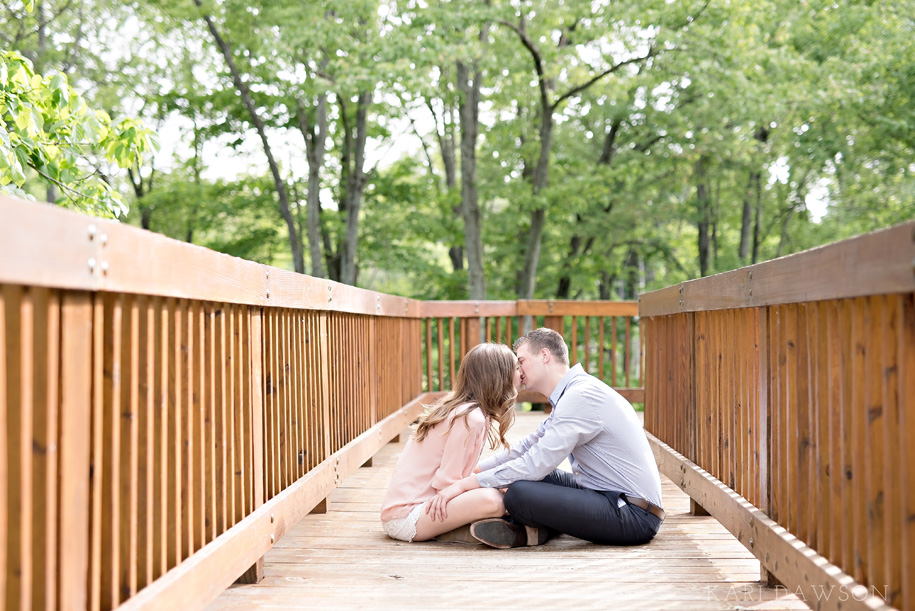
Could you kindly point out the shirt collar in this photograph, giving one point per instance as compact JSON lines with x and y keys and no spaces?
{"x":570,"y":375}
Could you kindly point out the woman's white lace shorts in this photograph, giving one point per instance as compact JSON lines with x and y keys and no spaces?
{"x":404,"y":529}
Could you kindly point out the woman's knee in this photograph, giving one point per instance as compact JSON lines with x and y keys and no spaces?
{"x":493,"y":503}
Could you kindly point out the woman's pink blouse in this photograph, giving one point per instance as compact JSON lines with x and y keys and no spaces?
{"x":447,"y":454}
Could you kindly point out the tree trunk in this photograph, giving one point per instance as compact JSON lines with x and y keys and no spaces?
{"x":703,"y":205}
{"x":315,"y":134}
{"x":356,"y":180}
{"x":469,"y":86}
{"x":606,"y":284}
{"x":446,"y":144}
{"x":541,"y":180}
{"x":756,"y":224}
{"x":631,"y":274}
{"x":746,"y":219}
{"x":297,"y":254}
{"x":605,"y":159}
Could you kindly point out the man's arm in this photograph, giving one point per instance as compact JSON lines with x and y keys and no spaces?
{"x":516,"y":450}
{"x":561,"y":434}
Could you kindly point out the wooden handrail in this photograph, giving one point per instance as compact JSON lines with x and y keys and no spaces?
{"x":163,"y":402}
{"x":878,"y":263}
{"x":792,"y":383}
{"x":44,"y":245}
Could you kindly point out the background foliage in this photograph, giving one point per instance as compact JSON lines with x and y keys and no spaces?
{"x":656,"y":140}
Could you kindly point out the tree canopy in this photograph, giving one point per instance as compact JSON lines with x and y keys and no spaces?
{"x":455,"y":149}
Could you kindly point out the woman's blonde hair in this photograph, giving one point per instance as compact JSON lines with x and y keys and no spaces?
{"x":485,"y":379}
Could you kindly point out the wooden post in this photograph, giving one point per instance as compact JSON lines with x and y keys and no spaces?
{"x":695,"y":509}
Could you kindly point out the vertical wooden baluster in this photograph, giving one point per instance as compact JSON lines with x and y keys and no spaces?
{"x":301,"y":383}
{"x":906,"y":440}
{"x":184,"y":424}
{"x":111,"y":515}
{"x":820,"y":418}
{"x":832,"y":417}
{"x":776,"y":389}
{"x":587,"y":347}
{"x":129,"y":422}
{"x":763,"y":413}
{"x":428,"y":325}
{"x":627,"y":351}
{"x":175,"y":422}
{"x":314,"y":393}
{"x":875,"y":442}
{"x":703,"y":414}
{"x":208,"y":420}
{"x":451,"y":352}
{"x":185,"y":367}
{"x":201,"y":426}
{"x":893,"y":452}
{"x":613,"y":351}
{"x":372,"y":364}
{"x":144,"y":448}
{"x":240,"y":406}
{"x":222,"y":368}
{"x":440,"y":325}
{"x":273,"y":413}
{"x":287,"y":436}
{"x":160,"y":422}
{"x":230,"y":413}
{"x":19,"y":353}
{"x":255,"y":321}
{"x":95,"y":454}
{"x":43,"y":446}
{"x":860,"y":332}
{"x":600,"y":348}
{"x":326,"y":423}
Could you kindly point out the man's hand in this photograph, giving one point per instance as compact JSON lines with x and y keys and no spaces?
{"x":437,"y":507}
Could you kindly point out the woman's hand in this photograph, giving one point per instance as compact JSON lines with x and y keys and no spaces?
{"x":437,"y":507}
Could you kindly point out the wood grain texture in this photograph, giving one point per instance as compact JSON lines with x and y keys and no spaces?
{"x":52,"y":247}
{"x":75,"y":435}
{"x":560,"y":307}
{"x":202,"y":577}
{"x":873,"y":264}
{"x":796,"y":565}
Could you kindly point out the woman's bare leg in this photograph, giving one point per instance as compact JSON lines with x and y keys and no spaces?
{"x":463,"y":509}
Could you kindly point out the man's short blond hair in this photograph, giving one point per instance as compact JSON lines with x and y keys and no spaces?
{"x":545,"y":338}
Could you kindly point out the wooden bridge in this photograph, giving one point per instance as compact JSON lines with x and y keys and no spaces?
{"x":173,"y":415}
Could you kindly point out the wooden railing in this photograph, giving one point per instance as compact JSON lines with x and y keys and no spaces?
{"x":604,"y":336}
{"x":792,"y":384}
{"x":170,"y":412}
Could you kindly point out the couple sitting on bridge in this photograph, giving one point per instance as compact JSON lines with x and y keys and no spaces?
{"x":612,"y":496}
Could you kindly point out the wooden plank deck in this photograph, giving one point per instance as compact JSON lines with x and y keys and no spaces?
{"x":342,"y":560}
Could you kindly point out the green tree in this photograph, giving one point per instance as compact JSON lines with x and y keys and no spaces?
{"x":47,"y":128}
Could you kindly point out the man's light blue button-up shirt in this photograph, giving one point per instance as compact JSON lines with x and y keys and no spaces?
{"x":600,"y":433}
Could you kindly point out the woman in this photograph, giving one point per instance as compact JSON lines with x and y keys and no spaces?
{"x":446,"y":446}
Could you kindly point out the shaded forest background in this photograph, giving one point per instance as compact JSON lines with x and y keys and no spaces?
{"x":490,"y":149}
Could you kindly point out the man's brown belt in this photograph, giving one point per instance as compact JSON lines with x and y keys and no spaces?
{"x":650,"y":507}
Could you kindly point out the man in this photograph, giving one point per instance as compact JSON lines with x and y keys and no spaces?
{"x":613,"y":494}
